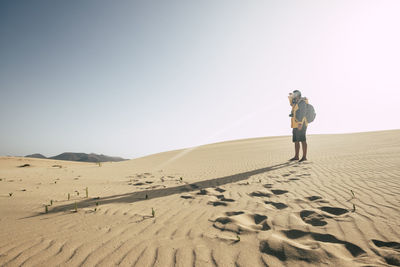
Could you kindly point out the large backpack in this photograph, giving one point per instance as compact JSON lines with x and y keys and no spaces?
{"x":310,"y":113}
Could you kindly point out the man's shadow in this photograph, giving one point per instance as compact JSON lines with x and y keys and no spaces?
{"x":157,"y":193}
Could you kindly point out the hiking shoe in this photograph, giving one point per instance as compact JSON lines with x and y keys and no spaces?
{"x":303,"y":159}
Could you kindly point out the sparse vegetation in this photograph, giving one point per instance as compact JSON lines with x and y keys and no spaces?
{"x":46,"y":208}
{"x":352,"y":193}
{"x":97,"y":204}
{"x":51,"y":202}
{"x":237,"y":238}
{"x":146,"y":197}
{"x":87,"y":192}
{"x":153,"y":212}
{"x":69,"y":196}
{"x":57,"y":166}
{"x":76,"y":207}
{"x":354,"y":207}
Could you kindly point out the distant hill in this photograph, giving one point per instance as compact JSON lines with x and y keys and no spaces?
{"x":37,"y":155}
{"x":83,"y":157}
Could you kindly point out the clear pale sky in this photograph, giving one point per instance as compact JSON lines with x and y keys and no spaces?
{"x":131,"y":78}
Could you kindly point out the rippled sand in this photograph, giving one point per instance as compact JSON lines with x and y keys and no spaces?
{"x":237,"y":203}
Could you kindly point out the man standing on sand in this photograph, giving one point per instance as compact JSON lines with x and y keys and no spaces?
{"x":298,"y":123}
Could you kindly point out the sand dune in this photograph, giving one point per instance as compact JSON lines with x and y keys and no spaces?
{"x":236,"y":203}
{"x":82,"y":157}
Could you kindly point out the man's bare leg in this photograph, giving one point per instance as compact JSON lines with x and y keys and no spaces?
{"x":304,"y":147}
{"x":296,"y":150}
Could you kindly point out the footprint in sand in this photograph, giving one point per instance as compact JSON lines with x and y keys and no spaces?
{"x":313,"y":218}
{"x":278,"y":191}
{"x":222,"y":198}
{"x":187,"y":197}
{"x":239,"y":221}
{"x":233,"y":213}
{"x":316,"y":199}
{"x":220,"y":190}
{"x":334,"y":210}
{"x":260,"y":194}
{"x":390,"y":251}
{"x":217,"y":203}
{"x":203,"y":192}
{"x":312,"y":198}
{"x":278,"y":205}
{"x":316,"y":219}
{"x":268,"y":185}
{"x":327,"y":238}
{"x":304,"y":246}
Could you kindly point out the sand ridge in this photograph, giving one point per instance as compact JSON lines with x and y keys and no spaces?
{"x":236,"y":203}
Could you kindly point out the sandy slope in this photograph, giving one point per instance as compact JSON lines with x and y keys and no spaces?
{"x":285,"y":214}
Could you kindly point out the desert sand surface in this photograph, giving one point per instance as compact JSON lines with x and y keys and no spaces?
{"x":236,"y":203}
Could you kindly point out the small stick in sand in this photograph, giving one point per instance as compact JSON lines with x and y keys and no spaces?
{"x":76,"y":207}
{"x":352,"y":193}
{"x":237,"y":238}
{"x":51,"y":202}
{"x":87,"y":192}
{"x":46,"y":209}
{"x":153,"y":212}
{"x":69,"y":196}
{"x":354,"y":207}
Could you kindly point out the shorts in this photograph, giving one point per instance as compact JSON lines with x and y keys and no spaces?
{"x":299,"y":135}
